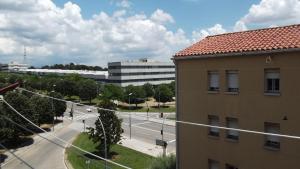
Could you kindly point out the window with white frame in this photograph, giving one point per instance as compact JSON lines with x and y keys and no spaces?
{"x":213,"y":81}
{"x":272,"y":80}
{"x":232,"y":81}
{"x":212,"y":164}
{"x":232,"y":123}
{"x":214,"y":121}
{"x":270,"y":140}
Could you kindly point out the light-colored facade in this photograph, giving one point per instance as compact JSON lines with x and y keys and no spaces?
{"x":140,"y":72}
{"x":248,"y":90}
{"x":99,"y":76}
{"x":15,"y":66}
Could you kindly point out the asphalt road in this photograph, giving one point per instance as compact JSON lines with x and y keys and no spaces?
{"x":45,"y":155}
{"x":141,"y":128}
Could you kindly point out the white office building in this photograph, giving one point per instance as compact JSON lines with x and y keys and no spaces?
{"x":15,"y":66}
{"x":140,"y":72}
{"x":99,"y":76}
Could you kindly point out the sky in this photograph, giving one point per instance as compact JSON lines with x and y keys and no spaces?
{"x":95,"y":32}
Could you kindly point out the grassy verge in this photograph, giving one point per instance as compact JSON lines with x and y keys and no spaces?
{"x":120,"y":154}
{"x":144,"y":109}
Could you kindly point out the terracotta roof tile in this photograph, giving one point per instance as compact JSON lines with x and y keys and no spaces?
{"x":286,"y":37}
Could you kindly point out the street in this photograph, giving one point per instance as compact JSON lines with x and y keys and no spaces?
{"x":43,"y":154}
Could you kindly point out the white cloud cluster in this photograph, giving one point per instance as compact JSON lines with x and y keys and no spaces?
{"x":268,"y":13}
{"x":271,"y":12}
{"x":161,"y":17}
{"x":216,"y":29}
{"x":123,"y":3}
{"x":56,"y":35}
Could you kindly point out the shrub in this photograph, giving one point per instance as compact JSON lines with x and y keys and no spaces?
{"x":168,"y":162}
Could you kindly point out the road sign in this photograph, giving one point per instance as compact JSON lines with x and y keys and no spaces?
{"x":161,"y":143}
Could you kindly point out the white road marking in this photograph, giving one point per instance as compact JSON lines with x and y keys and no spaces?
{"x":136,"y":124}
{"x":171,"y":134}
{"x":171,"y":141}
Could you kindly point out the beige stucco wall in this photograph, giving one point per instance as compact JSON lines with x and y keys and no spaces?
{"x":250,"y":106}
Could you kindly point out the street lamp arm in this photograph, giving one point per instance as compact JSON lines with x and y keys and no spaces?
{"x":105,"y":148}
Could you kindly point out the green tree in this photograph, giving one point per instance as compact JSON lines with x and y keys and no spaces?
{"x":148,"y":88}
{"x":87,"y":90}
{"x":172,"y":87}
{"x":66,"y":87}
{"x":168,"y":162}
{"x":163,"y":94}
{"x":112,"y":92}
{"x":137,"y":95}
{"x":22,"y":104}
{"x":107,"y":104}
{"x":112,"y":128}
{"x":58,"y":106}
{"x":42,"y":110}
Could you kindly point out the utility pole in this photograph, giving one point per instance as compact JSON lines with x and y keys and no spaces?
{"x":52,"y":104}
{"x":83,"y":121}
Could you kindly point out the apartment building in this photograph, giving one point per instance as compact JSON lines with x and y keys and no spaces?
{"x":248,"y":80}
{"x":139,"y":72}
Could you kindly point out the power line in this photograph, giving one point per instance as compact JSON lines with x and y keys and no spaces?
{"x":28,"y":165}
{"x":64,"y":141}
{"x":21,"y":126}
{"x":51,"y":141}
{"x":42,"y":95}
{"x":199,"y":124}
{"x":236,"y":129}
{"x":91,"y":107}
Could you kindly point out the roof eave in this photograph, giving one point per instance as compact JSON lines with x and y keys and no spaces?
{"x":185,"y":57}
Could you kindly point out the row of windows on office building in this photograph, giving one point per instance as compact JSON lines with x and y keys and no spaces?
{"x":270,"y":141}
{"x":141,"y":73}
{"x":141,"y":67}
{"x":140,"y":80}
{"x":272,"y":80}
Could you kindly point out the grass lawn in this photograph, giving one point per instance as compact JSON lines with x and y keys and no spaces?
{"x":122,"y":155}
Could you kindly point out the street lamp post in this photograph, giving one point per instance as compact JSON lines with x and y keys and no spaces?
{"x":129,"y":115}
{"x":162,"y":136}
{"x":105,"y":146}
{"x":52,"y":104}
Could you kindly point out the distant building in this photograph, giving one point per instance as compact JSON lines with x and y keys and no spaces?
{"x":140,"y":72}
{"x":3,"y":67}
{"x":15,"y":66}
{"x":99,"y":76}
{"x":247,"y":80}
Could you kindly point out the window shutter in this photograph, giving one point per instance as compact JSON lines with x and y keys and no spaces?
{"x":272,"y":75}
{"x":214,"y":122}
{"x":233,"y":124}
{"x":274,"y":130}
{"x":232,"y":78}
{"x":214,"y":80}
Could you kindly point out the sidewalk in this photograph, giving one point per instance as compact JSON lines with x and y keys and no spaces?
{"x":150,"y":149}
{"x":36,"y":141}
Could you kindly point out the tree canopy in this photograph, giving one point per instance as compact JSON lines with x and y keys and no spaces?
{"x":112,"y":127}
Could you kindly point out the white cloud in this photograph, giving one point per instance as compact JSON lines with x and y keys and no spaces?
{"x":273,"y":12}
{"x":216,"y":29}
{"x":123,"y":3}
{"x":160,"y":16}
{"x":240,"y":26}
{"x":61,"y":35}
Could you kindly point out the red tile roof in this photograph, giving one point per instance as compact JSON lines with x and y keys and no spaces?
{"x":287,"y":37}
